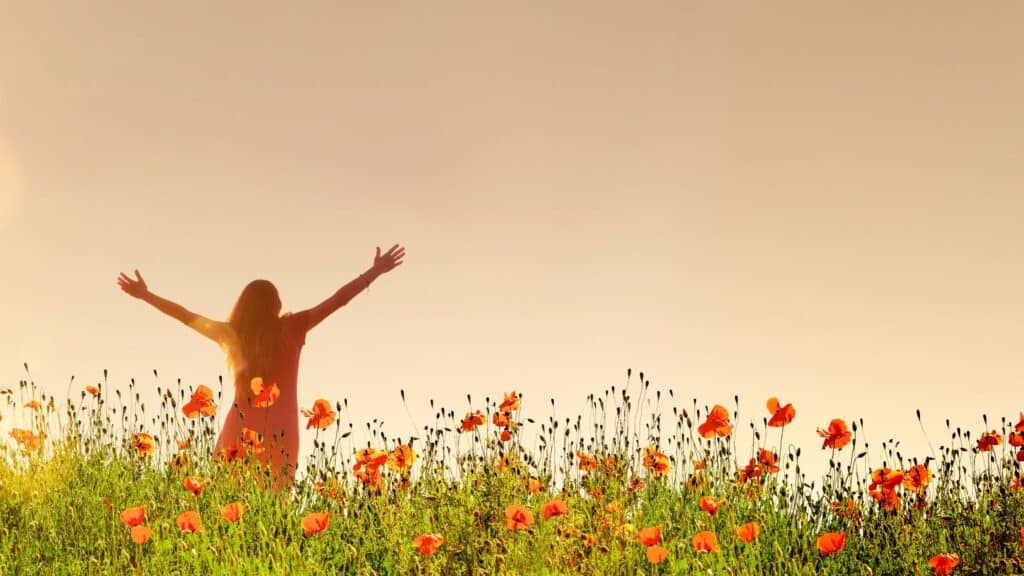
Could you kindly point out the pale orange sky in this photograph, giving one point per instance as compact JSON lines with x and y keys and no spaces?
{"x":803,"y":199}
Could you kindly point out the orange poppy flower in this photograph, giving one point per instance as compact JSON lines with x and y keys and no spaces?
{"x":315,"y":522}
{"x":768,"y":460}
{"x":251,"y":439}
{"x":535,"y":486}
{"x":750,"y":472}
{"x":781,"y":415}
{"x":200,"y":403}
{"x":650,"y":536}
{"x":705,"y":542}
{"x":263,"y":396}
{"x":1019,"y":427}
{"x":371,"y":458}
{"x":656,"y":461}
{"x":371,"y":478}
{"x":141,"y":534}
{"x":189,"y":522}
{"x":33,"y":405}
{"x":134,"y":516}
{"x":232,"y":512}
{"x":637,"y":484}
{"x":518,"y":518}
{"x":511,"y":402}
{"x":886,"y":478}
{"x":699,"y":464}
{"x":1022,"y":536}
{"x":143,"y":444}
{"x":501,"y":419}
{"x":943,"y":564}
{"x":401,"y":458}
{"x":917,"y":478}
{"x":321,"y":416}
{"x":472,"y":420}
{"x":92,"y":390}
{"x":748,"y":532}
{"x":505,"y":436}
{"x":837,"y":435}
{"x":427,"y":544}
{"x":587,"y":461}
{"x":710,"y":505}
{"x":26,"y":438}
{"x":989,"y":440}
{"x":717,"y":422}
{"x":1015,"y":439}
{"x":553,"y":507}
{"x":194,"y":485}
{"x":831,"y":542}
{"x":656,"y":554}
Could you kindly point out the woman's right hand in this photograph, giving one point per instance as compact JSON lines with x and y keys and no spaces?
{"x":136,"y":288}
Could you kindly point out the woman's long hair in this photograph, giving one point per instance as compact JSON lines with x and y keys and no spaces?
{"x":255,"y":319}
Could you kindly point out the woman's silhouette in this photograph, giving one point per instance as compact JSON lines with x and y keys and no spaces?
{"x":259,"y":342}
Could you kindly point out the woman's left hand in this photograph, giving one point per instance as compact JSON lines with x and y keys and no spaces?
{"x":390,"y":260}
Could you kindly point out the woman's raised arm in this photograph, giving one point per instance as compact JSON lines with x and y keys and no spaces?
{"x":381,"y":264}
{"x":216,"y":331}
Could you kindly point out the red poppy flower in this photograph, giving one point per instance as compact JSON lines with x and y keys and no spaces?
{"x":1015,"y":439}
{"x":315,"y":522}
{"x":427,"y":544}
{"x":717,"y":422}
{"x":837,"y":435}
{"x":750,"y":471}
{"x":263,"y":396}
{"x":650,"y":536}
{"x":781,"y":415}
{"x":656,"y":554}
{"x":232,"y":512}
{"x":518,"y":518}
{"x":92,"y":390}
{"x":710,"y":505}
{"x":501,"y":419}
{"x":200,"y":403}
{"x":134,"y":516}
{"x":472,"y":420}
{"x":831,"y":542}
{"x":320,"y":416}
{"x":141,"y":534}
{"x":189,"y":522}
{"x":748,"y":532}
{"x":943,"y":564}
{"x":988,"y":440}
{"x":554,"y":507}
{"x":705,"y":542}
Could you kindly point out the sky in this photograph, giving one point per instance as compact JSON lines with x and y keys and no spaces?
{"x":818,"y":201}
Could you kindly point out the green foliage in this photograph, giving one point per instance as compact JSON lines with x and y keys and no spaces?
{"x":61,"y":502}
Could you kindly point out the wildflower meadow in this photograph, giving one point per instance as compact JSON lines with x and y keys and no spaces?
{"x":103,"y":484}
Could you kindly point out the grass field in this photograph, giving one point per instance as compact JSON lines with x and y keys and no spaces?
{"x":102,"y":485}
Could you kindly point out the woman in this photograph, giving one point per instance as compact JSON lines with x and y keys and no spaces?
{"x":263,"y":353}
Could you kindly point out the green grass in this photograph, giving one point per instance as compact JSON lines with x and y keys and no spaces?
{"x":60,"y":504}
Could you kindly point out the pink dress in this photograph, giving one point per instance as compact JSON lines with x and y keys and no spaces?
{"x":278,"y":424}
